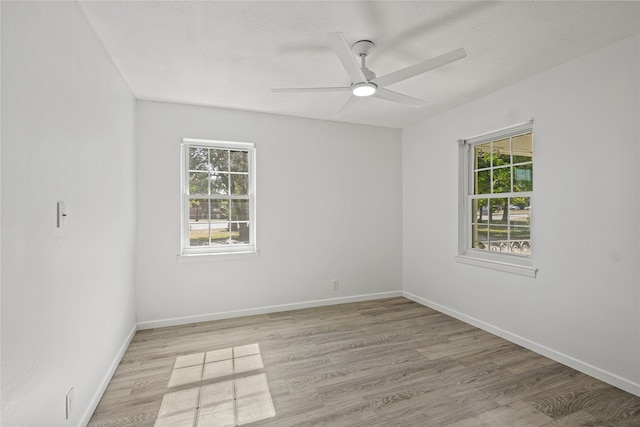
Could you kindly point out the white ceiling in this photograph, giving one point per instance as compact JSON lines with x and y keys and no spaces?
{"x":230,"y":53}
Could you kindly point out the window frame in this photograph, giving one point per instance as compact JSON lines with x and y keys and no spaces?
{"x":220,"y":251}
{"x":511,"y":263}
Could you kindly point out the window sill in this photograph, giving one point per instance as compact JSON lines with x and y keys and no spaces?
{"x":521,"y":270}
{"x":222,"y":256}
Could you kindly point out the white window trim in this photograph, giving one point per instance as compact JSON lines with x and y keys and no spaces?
{"x":466,"y":255}
{"x":221,"y":253}
{"x":228,"y":256}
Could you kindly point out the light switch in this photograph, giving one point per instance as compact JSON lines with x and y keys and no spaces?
{"x":62,"y":214}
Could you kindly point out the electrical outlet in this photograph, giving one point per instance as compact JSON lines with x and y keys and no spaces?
{"x":69,"y":403}
{"x":336,"y":284}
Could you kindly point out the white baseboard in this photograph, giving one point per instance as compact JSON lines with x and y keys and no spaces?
{"x":107,"y":378}
{"x":151,"y":324}
{"x":594,"y":371}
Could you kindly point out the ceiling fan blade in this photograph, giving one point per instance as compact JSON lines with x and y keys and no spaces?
{"x":392,"y":96}
{"x":347,"y":105}
{"x":348,"y":59}
{"x":420,"y":67}
{"x":309,"y":89}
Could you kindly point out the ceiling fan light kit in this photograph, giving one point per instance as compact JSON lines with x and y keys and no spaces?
{"x":364,"y":89}
{"x":364,"y":82}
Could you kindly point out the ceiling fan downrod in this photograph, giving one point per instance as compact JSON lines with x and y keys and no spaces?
{"x":362,"y":48}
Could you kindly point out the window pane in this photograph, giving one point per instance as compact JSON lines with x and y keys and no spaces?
{"x":520,"y":233}
{"x":240,"y":185}
{"x":479,"y":210}
{"x":502,"y":180}
{"x":522,"y":148}
{"x":198,"y":158}
{"x":523,"y":178}
{"x":518,"y":214}
{"x":498,"y":210}
{"x":219,"y":211}
{"x":198,"y":183}
{"x":240,"y":210}
{"x":239,"y":161}
{"x":502,"y":152}
{"x":219,"y":222}
{"x":220,"y":233}
{"x":480,"y":239}
{"x":198,"y":222}
{"x":498,"y":238}
{"x":521,"y":240}
{"x":483,"y":182}
{"x":198,"y":210}
{"x":219,"y":160}
{"x":240,"y":233}
{"x":199,"y":235}
{"x":482,"y":155}
{"x":220,"y":183}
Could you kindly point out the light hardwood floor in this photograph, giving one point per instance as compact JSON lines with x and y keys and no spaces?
{"x":387,"y":362}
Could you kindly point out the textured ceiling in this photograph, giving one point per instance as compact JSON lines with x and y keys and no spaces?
{"x":229,"y":54}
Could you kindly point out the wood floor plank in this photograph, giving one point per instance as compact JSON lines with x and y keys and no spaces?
{"x":375,"y":363}
{"x":529,"y":383}
{"x":515,"y":414}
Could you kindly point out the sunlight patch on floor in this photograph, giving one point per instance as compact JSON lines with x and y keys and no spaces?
{"x":231,"y":402}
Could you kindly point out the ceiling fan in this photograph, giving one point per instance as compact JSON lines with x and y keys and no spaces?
{"x":364,"y":82}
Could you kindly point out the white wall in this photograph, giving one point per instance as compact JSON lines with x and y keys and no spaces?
{"x":583,"y":308}
{"x":329,"y":207}
{"x":67,"y":134}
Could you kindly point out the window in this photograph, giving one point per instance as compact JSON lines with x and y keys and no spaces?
{"x":218,"y":197}
{"x":496,"y":199}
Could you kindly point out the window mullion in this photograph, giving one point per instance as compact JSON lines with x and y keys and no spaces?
{"x":511,"y":164}
{"x":229,"y":226}
{"x":491,"y":168}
